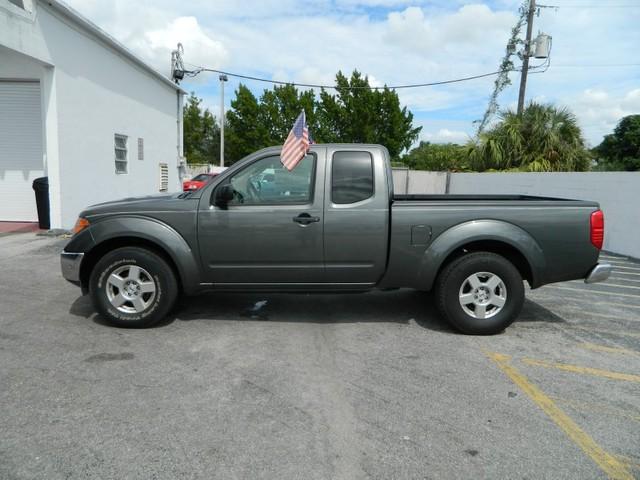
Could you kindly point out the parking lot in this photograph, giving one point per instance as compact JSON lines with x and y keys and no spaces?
{"x":315,"y":386}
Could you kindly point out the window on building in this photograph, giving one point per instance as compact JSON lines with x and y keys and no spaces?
{"x":140,"y":148}
{"x":351,"y":177}
{"x":120,"y":144}
{"x":164,"y":177}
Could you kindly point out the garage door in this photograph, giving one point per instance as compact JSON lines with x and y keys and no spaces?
{"x":20,"y":149}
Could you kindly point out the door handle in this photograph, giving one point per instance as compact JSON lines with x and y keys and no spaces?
{"x":305,"y":219}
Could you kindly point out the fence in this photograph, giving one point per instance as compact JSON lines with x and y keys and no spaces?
{"x":193,"y":169}
{"x":419,"y":181}
{"x":617,"y":192}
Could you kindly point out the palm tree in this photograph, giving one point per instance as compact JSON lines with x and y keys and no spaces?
{"x":545,"y":138}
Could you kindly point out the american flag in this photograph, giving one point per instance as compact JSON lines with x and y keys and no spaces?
{"x":297,"y":143}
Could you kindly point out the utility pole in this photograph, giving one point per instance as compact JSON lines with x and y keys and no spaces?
{"x":223,"y":78}
{"x":527,"y":52}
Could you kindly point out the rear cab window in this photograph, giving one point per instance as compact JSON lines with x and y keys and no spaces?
{"x":351,"y":177}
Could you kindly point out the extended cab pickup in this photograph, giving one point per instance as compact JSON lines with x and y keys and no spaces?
{"x":331,"y":224}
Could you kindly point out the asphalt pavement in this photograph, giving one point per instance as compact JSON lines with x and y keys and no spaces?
{"x":252,"y":386}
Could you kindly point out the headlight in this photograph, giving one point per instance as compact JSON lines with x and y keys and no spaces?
{"x":80,"y":225}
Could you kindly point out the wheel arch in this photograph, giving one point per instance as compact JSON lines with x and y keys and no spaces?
{"x":502,"y":238}
{"x":157,"y":237}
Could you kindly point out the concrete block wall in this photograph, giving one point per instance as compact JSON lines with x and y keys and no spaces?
{"x":617,"y":192}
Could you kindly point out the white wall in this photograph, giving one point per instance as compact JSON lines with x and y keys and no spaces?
{"x":617,"y":192}
{"x":91,"y":92}
{"x":419,"y":182}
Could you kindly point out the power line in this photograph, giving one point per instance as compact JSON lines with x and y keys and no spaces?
{"x":591,"y":6}
{"x":314,"y":85}
{"x":593,"y":65}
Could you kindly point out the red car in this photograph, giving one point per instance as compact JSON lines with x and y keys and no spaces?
{"x":197,"y":182}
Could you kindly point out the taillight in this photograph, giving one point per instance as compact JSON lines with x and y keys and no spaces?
{"x":597,"y":229}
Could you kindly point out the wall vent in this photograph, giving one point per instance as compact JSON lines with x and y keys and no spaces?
{"x":164,"y":177}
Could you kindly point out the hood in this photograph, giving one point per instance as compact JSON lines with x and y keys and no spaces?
{"x":133,"y":205}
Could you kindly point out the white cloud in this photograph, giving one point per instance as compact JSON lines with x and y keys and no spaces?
{"x":599,"y":111}
{"x":395,"y":42}
{"x":632,"y":100}
{"x":156,"y":44}
{"x":444,"y":135}
{"x":203,"y":50}
{"x":462,"y":33}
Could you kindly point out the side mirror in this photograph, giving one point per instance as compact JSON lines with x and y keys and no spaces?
{"x":223,"y":195}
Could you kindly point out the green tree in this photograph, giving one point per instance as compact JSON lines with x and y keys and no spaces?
{"x":356,"y":113}
{"x":246,"y":131}
{"x":544,"y":138}
{"x":620,"y":150}
{"x":279,"y":109}
{"x":201,"y":133}
{"x":359,"y":115}
{"x":438,"y":157}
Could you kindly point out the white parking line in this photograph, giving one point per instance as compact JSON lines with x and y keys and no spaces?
{"x":619,"y":272}
{"x":624,"y":265}
{"x":607,"y":284}
{"x":619,"y":333}
{"x":590,"y":290}
{"x":604,"y":255}
{"x":628,"y":281}
{"x":620,"y":305}
{"x":577,"y":313}
{"x":633,"y":269}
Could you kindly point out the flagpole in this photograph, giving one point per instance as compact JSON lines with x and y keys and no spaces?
{"x":223,"y":78}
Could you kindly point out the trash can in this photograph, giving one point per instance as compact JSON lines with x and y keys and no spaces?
{"x":41,"y":187}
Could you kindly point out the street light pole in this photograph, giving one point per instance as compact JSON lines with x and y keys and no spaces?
{"x":223,"y":78}
{"x":525,"y":60}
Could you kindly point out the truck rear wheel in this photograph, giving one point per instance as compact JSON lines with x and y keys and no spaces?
{"x":480,"y":293}
{"x":133,"y":287}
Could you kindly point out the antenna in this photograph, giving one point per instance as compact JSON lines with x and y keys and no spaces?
{"x":177,"y":67}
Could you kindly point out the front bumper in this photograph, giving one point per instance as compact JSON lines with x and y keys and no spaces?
{"x":599,"y":273}
{"x":70,"y":265}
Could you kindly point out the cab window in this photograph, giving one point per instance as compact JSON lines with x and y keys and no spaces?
{"x":267,"y":182}
{"x":351,"y":177}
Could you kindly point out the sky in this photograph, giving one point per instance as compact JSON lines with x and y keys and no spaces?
{"x":594,"y":69}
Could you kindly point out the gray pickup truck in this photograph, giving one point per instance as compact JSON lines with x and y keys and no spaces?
{"x":332,"y":224}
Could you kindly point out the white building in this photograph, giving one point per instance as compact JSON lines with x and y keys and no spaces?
{"x":78,"y":107}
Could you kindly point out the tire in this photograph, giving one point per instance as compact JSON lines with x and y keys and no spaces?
{"x":480,"y":293}
{"x":132,"y":287}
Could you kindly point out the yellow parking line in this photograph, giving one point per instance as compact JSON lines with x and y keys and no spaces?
{"x":609,"y":464}
{"x":603,"y":348}
{"x":629,"y":462}
{"x":627,"y":377}
{"x":598,"y":408}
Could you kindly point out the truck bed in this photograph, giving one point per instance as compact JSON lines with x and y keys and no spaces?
{"x":557,"y":229}
{"x":473,"y":198}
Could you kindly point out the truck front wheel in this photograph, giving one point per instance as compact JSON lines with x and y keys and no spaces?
{"x":133,"y":287}
{"x":480,"y":293}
